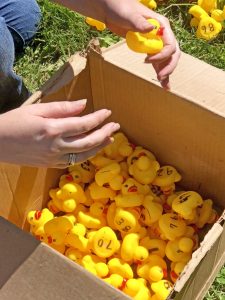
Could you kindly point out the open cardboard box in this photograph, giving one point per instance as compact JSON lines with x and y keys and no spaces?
{"x":184,"y":128}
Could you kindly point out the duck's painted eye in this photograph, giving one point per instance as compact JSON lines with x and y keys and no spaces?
{"x":126,"y":185}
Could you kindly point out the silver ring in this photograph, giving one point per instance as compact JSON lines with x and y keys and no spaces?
{"x":72,"y":159}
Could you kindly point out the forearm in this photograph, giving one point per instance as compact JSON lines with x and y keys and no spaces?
{"x":91,"y":8}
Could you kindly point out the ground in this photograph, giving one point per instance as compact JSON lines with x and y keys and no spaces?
{"x":63,"y":32}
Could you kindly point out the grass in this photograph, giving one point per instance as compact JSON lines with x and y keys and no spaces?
{"x":63,"y":32}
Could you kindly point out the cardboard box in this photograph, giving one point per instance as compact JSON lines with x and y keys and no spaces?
{"x":184,"y":128}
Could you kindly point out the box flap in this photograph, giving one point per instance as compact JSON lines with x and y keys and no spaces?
{"x":15,"y":247}
{"x":193,"y":79}
{"x":205,"y":272}
{"x":46,"y":274}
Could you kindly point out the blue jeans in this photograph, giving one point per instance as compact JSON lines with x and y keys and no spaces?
{"x":18,"y":24}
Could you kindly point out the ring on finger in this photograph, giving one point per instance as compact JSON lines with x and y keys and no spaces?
{"x":72,"y":159}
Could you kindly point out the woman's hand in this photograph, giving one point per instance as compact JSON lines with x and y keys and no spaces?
{"x":121,"y":16}
{"x":43,"y":135}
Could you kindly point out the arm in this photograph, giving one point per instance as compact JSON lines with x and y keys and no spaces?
{"x":124,"y":15}
{"x":91,"y":8}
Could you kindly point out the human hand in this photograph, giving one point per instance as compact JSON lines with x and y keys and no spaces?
{"x":121,"y":16}
{"x":43,"y":135}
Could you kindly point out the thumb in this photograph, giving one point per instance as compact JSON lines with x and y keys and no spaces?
{"x":140,"y":23}
{"x":62,"y":109}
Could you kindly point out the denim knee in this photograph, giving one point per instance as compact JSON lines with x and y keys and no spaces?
{"x":21,"y":16}
{"x":7,"y":53}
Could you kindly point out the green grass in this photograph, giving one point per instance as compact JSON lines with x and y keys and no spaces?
{"x":63,"y":32}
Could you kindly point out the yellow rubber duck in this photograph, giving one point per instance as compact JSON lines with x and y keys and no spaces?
{"x":85,"y":170}
{"x":208,"y":28}
{"x":149,"y":3}
{"x":110,"y":176}
{"x":101,"y":161}
{"x":74,"y":255}
{"x":132,"y":193}
{"x":171,"y":226}
{"x":131,"y":251}
{"x":110,"y":215}
{"x":126,"y":220}
{"x":137,"y":153}
{"x":100,"y":26}
{"x":179,"y":250}
{"x":91,"y":221}
{"x":162,"y":289}
{"x":119,"y":149}
{"x":116,"y":280}
{"x":154,"y":269}
{"x":151,"y":212}
{"x":67,"y":197}
{"x":154,"y":246}
{"x":166,"y":178}
{"x":104,"y":242}
{"x":204,"y":213}
{"x":218,"y":15}
{"x":124,"y":170}
{"x":57,"y":229}
{"x":208,"y":5}
{"x":76,"y":238}
{"x":150,"y":43}
{"x":186,"y":203}
{"x":120,"y":267}
{"x":144,"y":169}
{"x":101,"y":192}
{"x":137,"y":289}
{"x":95,"y":265}
{"x":52,"y":207}
{"x":176,"y":270}
{"x":154,"y":231}
{"x":38,"y":218}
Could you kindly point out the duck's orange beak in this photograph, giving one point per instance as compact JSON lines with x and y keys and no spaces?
{"x":37,"y":214}
{"x":69,"y":177}
{"x":160,"y":31}
{"x":49,"y":239}
{"x":132,"y":189}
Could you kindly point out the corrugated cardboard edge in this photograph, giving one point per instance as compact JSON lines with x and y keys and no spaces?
{"x":209,"y":240}
{"x":76,"y":63}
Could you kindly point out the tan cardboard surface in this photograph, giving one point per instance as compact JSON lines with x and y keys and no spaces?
{"x":15,"y":247}
{"x":193,"y":79}
{"x":46,"y":274}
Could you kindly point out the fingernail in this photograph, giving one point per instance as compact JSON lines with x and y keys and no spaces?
{"x":108,"y":112}
{"x":116,"y":126}
{"x":81,"y":102}
{"x":111,"y":139}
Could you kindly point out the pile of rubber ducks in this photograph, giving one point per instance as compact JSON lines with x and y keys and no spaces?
{"x":122,"y":217}
{"x":207,"y":19}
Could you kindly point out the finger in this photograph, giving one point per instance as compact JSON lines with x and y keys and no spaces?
{"x":166,"y":52}
{"x":61,"y":109}
{"x":90,"y":141}
{"x":139,"y":23}
{"x":165,"y":83}
{"x":166,"y":68}
{"x":83,"y":156}
{"x":78,"y":125}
